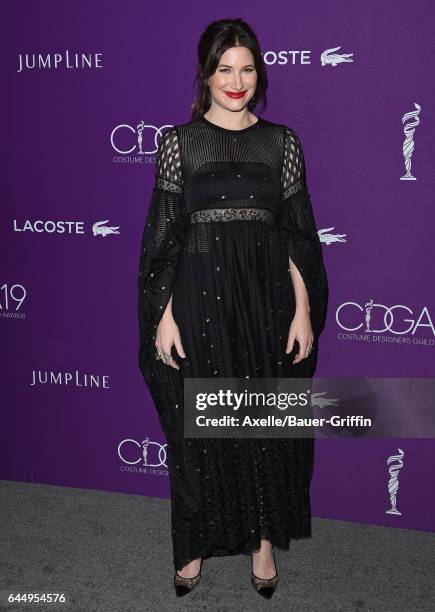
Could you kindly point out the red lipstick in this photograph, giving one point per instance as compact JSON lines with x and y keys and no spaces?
{"x":235,"y":95}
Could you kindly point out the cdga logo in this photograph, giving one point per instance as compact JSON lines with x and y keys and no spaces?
{"x":126,"y":139}
{"x":378,"y":318}
{"x":147,"y":453}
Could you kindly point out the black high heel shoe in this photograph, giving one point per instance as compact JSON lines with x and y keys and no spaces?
{"x":265,"y":586}
{"x":185,"y":585}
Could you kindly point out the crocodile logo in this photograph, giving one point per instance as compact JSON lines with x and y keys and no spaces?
{"x":328,"y":238}
{"x":100,"y":229}
{"x":329,"y":57}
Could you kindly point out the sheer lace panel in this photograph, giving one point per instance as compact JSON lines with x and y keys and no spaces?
{"x":232,"y":214}
{"x":169,"y":168}
{"x":293,"y":168}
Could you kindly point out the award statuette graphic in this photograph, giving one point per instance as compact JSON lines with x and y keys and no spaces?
{"x":408,"y":143}
{"x":140,"y":128}
{"x":393,"y":483}
{"x":368,"y":306}
{"x":145,"y":444}
{"x":148,"y":454}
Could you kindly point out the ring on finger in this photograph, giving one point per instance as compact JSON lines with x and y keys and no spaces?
{"x":162,"y":357}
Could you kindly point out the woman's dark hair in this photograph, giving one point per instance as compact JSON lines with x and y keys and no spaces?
{"x":215,"y":40}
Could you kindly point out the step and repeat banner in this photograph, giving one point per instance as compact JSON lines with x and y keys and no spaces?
{"x":88,"y":90}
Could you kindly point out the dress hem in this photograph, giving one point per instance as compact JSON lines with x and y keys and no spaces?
{"x":246,"y":547}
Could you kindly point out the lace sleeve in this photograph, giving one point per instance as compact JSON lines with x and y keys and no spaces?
{"x":296,"y":219}
{"x":162,"y":243}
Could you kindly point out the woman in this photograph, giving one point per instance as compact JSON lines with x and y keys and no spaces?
{"x":231,"y":284}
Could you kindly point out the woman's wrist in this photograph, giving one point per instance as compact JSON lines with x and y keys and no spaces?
{"x":167,"y":314}
{"x":302,"y":308}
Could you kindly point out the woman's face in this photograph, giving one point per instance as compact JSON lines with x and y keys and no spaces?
{"x":235,"y":74}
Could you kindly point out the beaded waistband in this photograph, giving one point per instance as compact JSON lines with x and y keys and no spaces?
{"x":207,"y":215}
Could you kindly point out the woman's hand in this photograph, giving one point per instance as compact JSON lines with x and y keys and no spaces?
{"x":301,"y":330}
{"x":168,"y":334}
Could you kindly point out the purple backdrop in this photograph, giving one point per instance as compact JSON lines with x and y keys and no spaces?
{"x":72,"y":158}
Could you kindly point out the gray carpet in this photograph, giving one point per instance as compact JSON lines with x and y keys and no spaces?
{"x":112,"y":552}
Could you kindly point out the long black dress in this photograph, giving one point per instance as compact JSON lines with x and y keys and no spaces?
{"x":228,"y":209}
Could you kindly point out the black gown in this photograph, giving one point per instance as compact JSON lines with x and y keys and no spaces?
{"x":228,"y":209}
